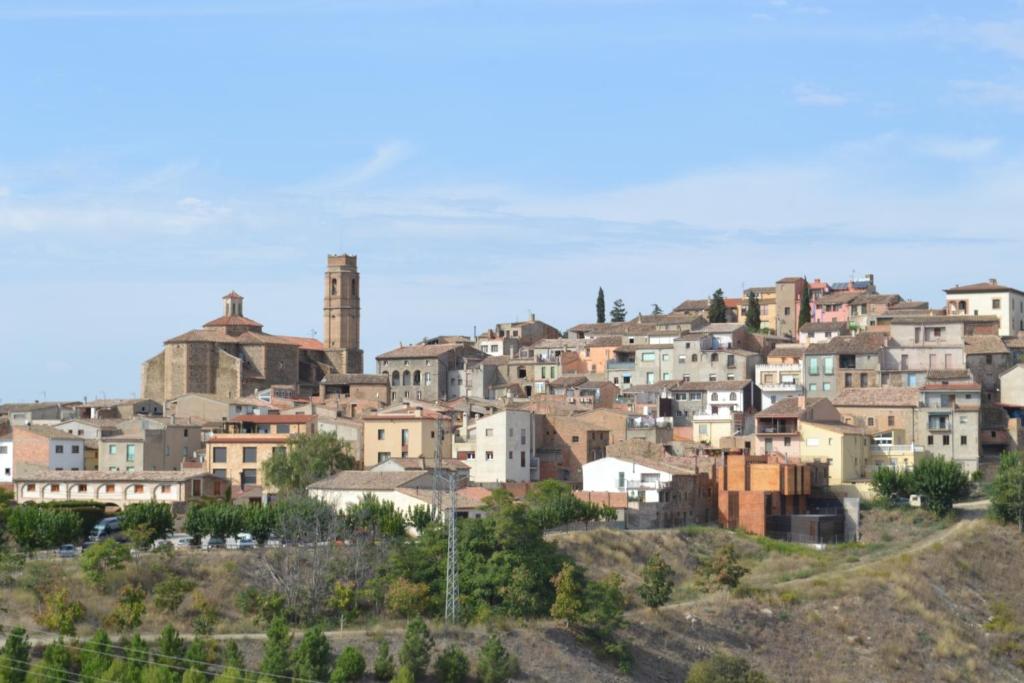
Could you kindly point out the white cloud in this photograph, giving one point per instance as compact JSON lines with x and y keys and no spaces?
{"x":965,"y":149}
{"x":810,"y":96}
{"x":1002,"y":36}
{"x":990,"y":92}
{"x":384,"y":158}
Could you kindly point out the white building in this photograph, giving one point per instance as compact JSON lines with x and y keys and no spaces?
{"x":405,"y":489}
{"x":6,"y":460}
{"x":45,"y":447}
{"x":117,"y":488}
{"x":499,"y":447}
{"x":989,"y":298}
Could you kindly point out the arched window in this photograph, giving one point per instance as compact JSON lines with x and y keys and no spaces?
{"x":714,"y":396}
{"x":714,"y":358}
{"x":416,"y":378}
{"x":394,"y":378}
{"x":355,"y":287}
{"x":405,"y":377}
{"x":732,"y":396}
{"x":334,"y":286}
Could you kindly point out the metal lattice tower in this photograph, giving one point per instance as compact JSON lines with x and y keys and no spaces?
{"x":438,"y":498}
{"x":451,"y":592}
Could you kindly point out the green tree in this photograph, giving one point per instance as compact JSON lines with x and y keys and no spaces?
{"x":568,"y":605}
{"x":656,"y":310}
{"x":35,"y":527}
{"x":889,"y":482}
{"x":170,"y":593}
{"x":603,"y":606}
{"x":600,"y":304}
{"x":1006,"y":492}
{"x":130,"y":608}
{"x":233,"y":656}
{"x":312,"y":657}
{"x":170,"y":647}
{"x":194,"y":675}
{"x":151,"y":519}
{"x":60,"y":612}
{"x":416,"y":648}
{"x":277,"y":651}
{"x":101,"y":558}
{"x":383,"y":663}
{"x":657,"y":582}
{"x":56,"y":665}
{"x":14,"y":656}
{"x":155,"y":673}
{"x":220,"y":518}
{"x":308,"y":458}
{"x":96,"y":657}
{"x":452,"y":665}
{"x":204,"y":615}
{"x":259,"y":521}
{"x":753,"y":312}
{"x":723,"y":569}
{"x":201,"y":652}
{"x":941,"y":482}
{"x":349,"y":667}
{"x":230,"y":674}
{"x":717,"y":312}
{"x":407,"y":598}
{"x":494,"y":664}
{"x":404,"y":675}
{"x":805,"y":305}
{"x":618,"y":312}
{"x":376,"y":517}
{"x":723,"y":668}
{"x":420,"y":517}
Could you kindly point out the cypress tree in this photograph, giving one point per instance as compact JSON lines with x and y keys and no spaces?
{"x":600,"y":304}
{"x":753,"y":312}
{"x":277,"y":651}
{"x":716,"y":311}
{"x":805,"y":305}
{"x":416,"y":648}
{"x":312,"y":658}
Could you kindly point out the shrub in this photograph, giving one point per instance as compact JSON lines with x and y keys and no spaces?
{"x":568,"y":605}
{"x":383,"y":664}
{"x":14,"y":656}
{"x":941,"y":482}
{"x":723,"y":569}
{"x":404,"y":675}
{"x":406,"y":598}
{"x":722,"y":668}
{"x":889,"y":483}
{"x":312,"y":658}
{"x":204,"y":616}
{"x":452,"y":666}
{"x":60,"y":613}
{"x":131,"y":606}
{"x":277,"y":651}
{"x":416,"y":648}
{"x":1007,"y":490}
{"x":657,"y":576}
{"x":101,"y":558}
{"x":349,"y":667}
{"x":96,"y":657}
{"x":495,"y":664}
{"x":169,"y":593}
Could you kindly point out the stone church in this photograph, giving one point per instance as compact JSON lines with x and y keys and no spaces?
{"x":231,"y":356}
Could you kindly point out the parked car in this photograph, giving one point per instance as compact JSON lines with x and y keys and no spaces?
{"x":216,"y":543}
{"x":245,"y":541}
{"x":67,"y":550}
{"x":106,"y":528}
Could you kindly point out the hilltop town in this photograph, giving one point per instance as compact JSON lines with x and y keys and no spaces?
{"x":778,"y":413}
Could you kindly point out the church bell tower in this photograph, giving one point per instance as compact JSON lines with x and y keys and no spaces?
{"x":341,"y":313}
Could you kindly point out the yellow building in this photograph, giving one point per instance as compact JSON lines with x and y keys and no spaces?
{"x":846,"y":449}
{"x":408,"y":432}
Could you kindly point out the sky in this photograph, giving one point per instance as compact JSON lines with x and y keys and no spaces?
{"x":485,"y":160}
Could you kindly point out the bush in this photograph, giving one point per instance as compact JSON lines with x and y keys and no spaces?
{"x":60,"y":613}
{"x":495,"y":664}
{"x":416,"y":648}
{"x":723,"y":569}
{"x":277,"y":651}
{"x":14,"y":656}
{"x":1007,"y":490}
{"x":452,"y":666}
{"x":349,"y":667}
{"x":941,"y":482}
{"x":383,"y":664}
{"x":889,"y":483}
{"x":656,"y":588}
{"x":407,"y":599}
{"x":169,"y":593}
{"x":101,"y":558}
{"x":722,"y":668}
{"x":404,"y":675}
{"x":131,"y":606}
{"x":312,"y":658}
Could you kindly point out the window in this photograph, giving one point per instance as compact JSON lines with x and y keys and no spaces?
{"x":812,"y":387}
{"x":383,"y":456}
{"x":575,"y":438}
{"x":380,"y":435}
{"x":996,"y":304}
{"x":249,"y":454}
{"x":74,"y":449}
{"x":137,"y":488}
{"x":522,"y":458}
{"x":826,"y":386}
{"x":829,"y":365}
{"x":647,"y":356}
{"x":931,"y":440}
{"x":282,"y":429}
{"x":426,"y":378}
{"x":871,"y":422}
{"x":522,"y":437}
{"x":963,"y":440}
{"x":30,"y":487}
{"x":220,"y":473}
{"x":248,"y":477}
{"x":945,"y":439}
{"x":3,"y":450}
{"x":82,"y":488}
{"x":488,"y":432}
{"x":714,"y":396}
{"x":60,"y":449}
{"x":405,"y":437}
{"x":732,"y":395}
{"x":220,"y":454}
{"x":812,"y":365}
{"x":129,"y":452}
{"x":891,"y":421}
{"x":488,"y":455}
{"x":55,"y":487}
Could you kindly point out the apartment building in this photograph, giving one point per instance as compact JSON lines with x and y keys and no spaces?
{"x":405,"y":431}
{"x":989,"y":298}
{"x":118,"y":488}
{"x":428,"y":371}
{"x":499,"y":448}
{"x":781,"y":376}
{"x":843,"y":363}
{"x":38,"y":446}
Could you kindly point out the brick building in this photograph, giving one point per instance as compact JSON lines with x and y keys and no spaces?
{"x":750,"y":489}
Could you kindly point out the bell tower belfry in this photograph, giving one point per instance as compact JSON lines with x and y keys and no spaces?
{"x":341,"y":313}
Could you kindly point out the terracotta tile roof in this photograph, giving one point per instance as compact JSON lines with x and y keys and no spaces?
{"x":866,"y":342}
{"x":307,"y":343}
{"x":652,"y":458}
{"x":365,"y":480}
{"x":48,"y":432}
{"x":946,"y":375}
{"x":908,"y":305}
{"x":428,"y":351}
{"x":721,"y":328}
{"x":158,"y":476}
{"x":694,"y":305}
{"x":839,"y":427}
{"x":980,"y":288}
{"x":248,"y":438}
{"x":234,"y":321}
{"x":274,"y":419}
{"x":720,"y":385}
{"x":1015,"y":343}
{"x":791,"y":279}
{"x":568,"y":381}
{"x":952,"y":386}
{"x":421,"y":464}
{"x":462,"y":501}
{"x":232,"y":295}
{"x":877,"y":396}
{"x":984,"y":344}
{"x":407,"y":414}
{"x":604,"y":340}
{"x":354,"y":378}
{"x":809,"y":328}
{"x":789,"y":407}
{"x":943,"y":319}
{"x":841,"y":297}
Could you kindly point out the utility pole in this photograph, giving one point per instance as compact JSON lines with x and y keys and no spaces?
{"x":437,"y":499}
{"x":451,"y":592}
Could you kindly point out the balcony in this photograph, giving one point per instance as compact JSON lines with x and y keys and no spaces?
{"x":896,"y":449}
{"x":621,"y":365}
{"x":640,"y":485}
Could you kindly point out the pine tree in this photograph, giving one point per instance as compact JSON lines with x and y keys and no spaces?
{"x":416,"y":648}
{"x":312,"y":657}
{"x":155,"y":673}
{"x":231,"y":674}
{"x":55,"y":665}
{"x":805,"y":305}
{"x":753,"y":312}
{"x":194,"y":675}
{"x":349,"y":667}
{"x":96,"y":658}
{"x":716,"y":310}
{"x":383,"y":665}
{"x":495,"y":664}
{"x":14,"y":656}
{"x":568,"y":605}
{"x":657,"y":577}
{"x":452,"y":665}
{"x":277,"y":651}
{"x":618,"y":312}
{"x":170,"y":647}
{"x":656,"y":310}
{"x":600,"y":304}
{"x":232,"y":656}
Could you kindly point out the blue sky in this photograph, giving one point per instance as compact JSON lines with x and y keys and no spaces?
{"x":485,"y":160}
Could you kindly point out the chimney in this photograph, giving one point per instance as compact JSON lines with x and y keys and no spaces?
{"x":992,"y":281}
{"x":533,"y":317}
{"x":419,"y":411}
{"x":870,"y":278}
